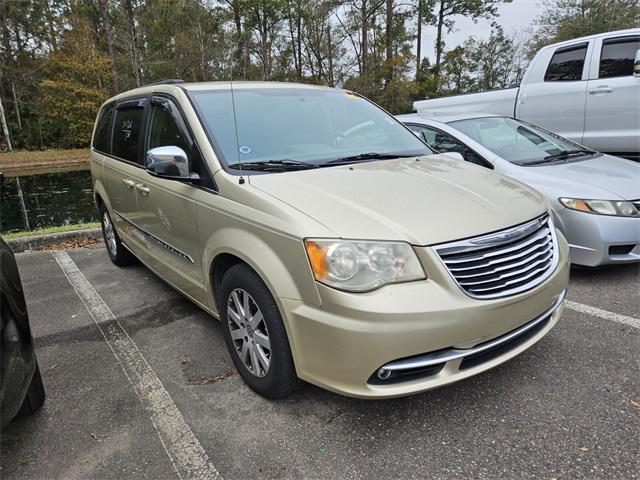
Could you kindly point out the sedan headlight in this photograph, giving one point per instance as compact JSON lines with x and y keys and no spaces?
{"x":601,"y":207}
{"x":359,"y":266}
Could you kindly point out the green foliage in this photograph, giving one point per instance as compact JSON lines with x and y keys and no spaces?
{"x":567,"y":19}
{"x":76,"y":87}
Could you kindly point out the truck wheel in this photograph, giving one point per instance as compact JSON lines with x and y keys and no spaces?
{"x":118,"y":254}
{"x":253,"y":329}
{"x":35,"y":395}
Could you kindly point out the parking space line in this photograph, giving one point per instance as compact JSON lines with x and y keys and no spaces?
{"x":604,"y":314}
{"x":185,"y":452}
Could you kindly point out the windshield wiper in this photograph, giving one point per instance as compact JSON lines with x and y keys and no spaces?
{"x":562,"y":155}
{"x":274,"y":165}
{"x":364,"y":157}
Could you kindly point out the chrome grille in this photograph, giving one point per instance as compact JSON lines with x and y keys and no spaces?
{"x":503,"y":263}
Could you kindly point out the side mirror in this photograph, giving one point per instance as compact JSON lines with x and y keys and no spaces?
{"x":169,"y":162}
{"x":456,"y":155}
{"x":636,"y":65}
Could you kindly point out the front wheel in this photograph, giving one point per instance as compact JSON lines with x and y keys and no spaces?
{"x":255,"y":335}
{"x":118,"y":254}
{"x":34,"y":399}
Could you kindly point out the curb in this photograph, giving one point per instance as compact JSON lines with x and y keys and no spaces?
{"x":29,"y":243}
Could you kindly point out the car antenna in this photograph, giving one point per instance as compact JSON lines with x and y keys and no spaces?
{"x":235,"y":123}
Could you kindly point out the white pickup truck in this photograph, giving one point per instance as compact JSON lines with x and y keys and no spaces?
{"x":587,"y":90}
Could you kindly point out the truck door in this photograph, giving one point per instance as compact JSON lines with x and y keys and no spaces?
{"x":612,"y":116}
{"x":553,"y":93}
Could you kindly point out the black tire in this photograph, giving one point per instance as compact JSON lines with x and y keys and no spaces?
{"x":280,"y":380}
{"x":35,"y":395}
{"x":118,"y":254}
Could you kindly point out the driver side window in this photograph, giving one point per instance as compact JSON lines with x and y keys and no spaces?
{"x":166,"y":128}
{"x":163,"y":129}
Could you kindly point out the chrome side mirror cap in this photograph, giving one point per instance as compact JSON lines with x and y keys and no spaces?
{"x":169,"y":162}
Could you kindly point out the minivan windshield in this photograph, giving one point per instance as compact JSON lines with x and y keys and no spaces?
{"x":300,"y":127}
{"x":518,"y":142}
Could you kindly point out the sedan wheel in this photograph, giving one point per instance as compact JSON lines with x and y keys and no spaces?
{"x":249,"y":332}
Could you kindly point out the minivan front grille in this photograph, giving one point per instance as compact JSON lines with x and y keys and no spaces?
{"x":503,"y":263}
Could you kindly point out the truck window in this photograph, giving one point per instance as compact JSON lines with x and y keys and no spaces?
{"x":127,"y":128}
{"x":566,"y":64}
{"x":617,"y":57}
{"x":102,"y":137}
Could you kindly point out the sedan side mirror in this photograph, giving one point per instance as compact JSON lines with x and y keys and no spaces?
{"x":456,"y":155}
{"x":636,"y":65}
{"x":169,"y":162}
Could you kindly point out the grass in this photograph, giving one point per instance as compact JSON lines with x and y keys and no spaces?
{"x":45,"y":231}
{"x":39,"y":159}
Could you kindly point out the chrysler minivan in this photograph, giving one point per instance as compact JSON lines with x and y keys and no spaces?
{"x":332,"y":244}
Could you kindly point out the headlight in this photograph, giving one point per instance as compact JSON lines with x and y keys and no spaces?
{"x":359,"y":266}
{"x":602,"y":207}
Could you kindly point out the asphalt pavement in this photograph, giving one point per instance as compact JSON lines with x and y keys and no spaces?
{"x":120,"y":347}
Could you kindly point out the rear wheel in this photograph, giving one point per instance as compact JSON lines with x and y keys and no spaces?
{"x":255,"y":334}
{"x":118,"y":254}
{"x":35,"y":395}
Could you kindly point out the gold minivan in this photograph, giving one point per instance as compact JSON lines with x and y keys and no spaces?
{"x":332,"y":244}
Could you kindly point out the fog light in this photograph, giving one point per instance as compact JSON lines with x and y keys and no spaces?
{"x":383,"y":373}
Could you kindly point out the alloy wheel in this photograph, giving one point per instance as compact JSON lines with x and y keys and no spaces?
{"x":110,"y":234}
{"x":249,"y":332}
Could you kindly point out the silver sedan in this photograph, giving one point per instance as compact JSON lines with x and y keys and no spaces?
{"x":595,"y":197}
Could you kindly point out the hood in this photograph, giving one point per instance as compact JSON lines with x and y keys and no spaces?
{"x":603,"y":178}
{"x":424,"y":200}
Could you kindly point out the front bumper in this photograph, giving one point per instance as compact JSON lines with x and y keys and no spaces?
{"x":342,"y":344}
{"x":600,"y":239}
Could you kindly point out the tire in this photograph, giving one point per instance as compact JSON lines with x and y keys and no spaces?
{"x":35,"y":395}
{"x":248,"y":347}
{"x":118,"y":254}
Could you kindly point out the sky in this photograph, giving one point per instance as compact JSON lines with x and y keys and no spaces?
{"x":513,"y":17}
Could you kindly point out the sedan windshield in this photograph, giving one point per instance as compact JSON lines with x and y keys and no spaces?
{"x":520,"y":143}
{"x":294,"y":128}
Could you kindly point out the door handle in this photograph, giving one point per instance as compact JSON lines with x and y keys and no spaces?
{"x":128,"y":182}
{"x":142,"y":189}
{"x":601,"y":89}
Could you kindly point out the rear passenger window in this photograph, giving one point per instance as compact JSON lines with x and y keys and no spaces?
{"x":566,"y":64}
{"x":102,"y":136}
{"x":127,"y":128}
{"x":617,"y":57}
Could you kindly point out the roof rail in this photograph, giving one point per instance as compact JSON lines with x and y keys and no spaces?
{"x":168,"y":81}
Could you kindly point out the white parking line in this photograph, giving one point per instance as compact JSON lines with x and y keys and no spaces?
{"x":604,"y":314}
{"x":183,"y":448}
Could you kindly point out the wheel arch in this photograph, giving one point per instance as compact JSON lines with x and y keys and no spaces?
{"x":265,"y":261}
{"x":100,"y":196}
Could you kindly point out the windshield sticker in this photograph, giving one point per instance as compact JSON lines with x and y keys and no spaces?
{"x":245,"y":149}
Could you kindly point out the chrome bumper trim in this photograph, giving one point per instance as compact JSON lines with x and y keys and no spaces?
{"x":448,"y":354}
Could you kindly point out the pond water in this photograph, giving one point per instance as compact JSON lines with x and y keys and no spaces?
{"x":39,"y":200}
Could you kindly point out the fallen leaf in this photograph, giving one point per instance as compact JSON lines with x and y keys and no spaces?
{"x":186,"y":359}
{"x":323,"y":450}
{"x":584,"y":449}
{"x":53,"y":366}
{"x":94,"y":436}
{"x":76,"y":242}
{"x":634,"y":403}
{"x":207,"y":380}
